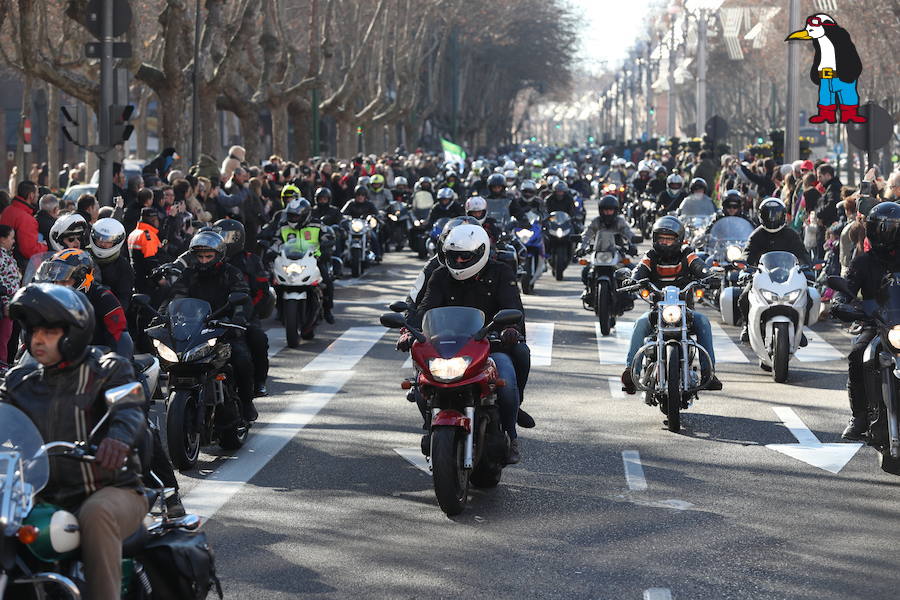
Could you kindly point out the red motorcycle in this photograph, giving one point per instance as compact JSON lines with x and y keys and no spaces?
{"x":458,"y":384}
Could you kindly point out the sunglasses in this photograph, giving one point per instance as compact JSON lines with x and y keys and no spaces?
{"x":817,"y":22}
{"x":71,"y":238}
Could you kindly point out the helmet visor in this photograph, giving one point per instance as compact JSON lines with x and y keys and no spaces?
{"x":55,"y":272}
{"x":462,"y":259}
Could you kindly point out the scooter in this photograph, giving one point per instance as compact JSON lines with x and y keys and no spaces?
{"x":782,"y":303}
{"x":297,"y":277}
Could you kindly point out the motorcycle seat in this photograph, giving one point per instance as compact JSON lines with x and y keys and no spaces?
{"x":143,"y":361}
{"x":134,"y":543}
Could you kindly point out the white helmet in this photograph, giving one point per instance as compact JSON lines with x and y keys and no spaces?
{"x":511,"y":176}
{"x":477,"y":204}
{"x":71,"y":224}
{"x":509,"y":165}
{"x":110,"y":233}
{"x":467,"y":249}
{"x":398,"y":181}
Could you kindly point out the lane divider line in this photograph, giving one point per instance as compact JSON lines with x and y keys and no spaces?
{"x":613,"y":348}
{"x":347,"y":350}
{"x":615,"y":388}
{"x":540,"y":341}
{"x":634,"y":472}
{"x":658,"y":594}
{"x":415,"y":458}
{"x":817,"y":350}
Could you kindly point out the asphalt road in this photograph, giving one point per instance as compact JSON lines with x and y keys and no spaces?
{"x":606,"y":503}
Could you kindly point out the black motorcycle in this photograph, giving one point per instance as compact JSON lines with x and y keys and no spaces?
{"x":882,"y":364}
{"x":203,"y":405}
{"x":559,"y":237}
{"x":603,"y":296}
{"x":397,"y":224}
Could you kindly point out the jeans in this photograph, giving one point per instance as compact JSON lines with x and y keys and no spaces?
{"x":834,"y":91}
{"x":521,"y":357}
{"x":701,"y":328}
{"x":242,"y":363}
{"x":258,"y":343}
{"x":508,"y":395}
{"x":856,"y":374}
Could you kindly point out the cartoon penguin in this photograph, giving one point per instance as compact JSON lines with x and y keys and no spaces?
{"x":835,"y":69}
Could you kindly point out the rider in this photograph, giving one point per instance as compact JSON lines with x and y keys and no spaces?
{"x":69,"y":231}
{"x":642,"y":179}
{"x":312,"y":234}
{"x":670,"y":262}
{"x":62,"y":392}
{"x":657,"y":185}
{"x":361,"y":207}
{"x":497,"y":191}
{"x":608,"y":223}
{"x":324,"y":211}
{"x":257,"y":278}
{"x":732,"y":206}
{"x":446,"y":208}
{"x":529,"y":195}
{"x":470,"y":278}
{"x":867,"y":270}
{"x":674,"y":193}
{"x":380,"y":196}
{"x":211,"y":279}
{"x":698,"y":202}
{"x":561,"y":199}
{"x":770,"y":236}
{"x":107,"y":240}
{"x":417,"y":291}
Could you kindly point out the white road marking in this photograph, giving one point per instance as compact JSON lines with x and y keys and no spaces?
{"x":726,"y":350}
{"x":540,"y":341}
{"x":343,"y":353}
{"x":407,"y":364}
{"x":828,"y":457}
{"x":634,"y":472}
{"x":658,"y":594}
{"x":613,"y":348}
{"x":277,"y":340}
{"x":213,"y":492}
{"x":615,"y":388}
{"x":818,"y":350}
{"x":415,"y":458}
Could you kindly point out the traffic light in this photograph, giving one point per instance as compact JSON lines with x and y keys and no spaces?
{"x":119,"y":127}
{"x":590,"y":139}
{"x":75,"y":125}
{"x":359,"y":131}
{"x":760,"y":140}
{"x":652,"y":111}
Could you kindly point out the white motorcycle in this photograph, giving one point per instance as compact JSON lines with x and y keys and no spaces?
{"x":782,"y":303}
{"x":297,"y":278}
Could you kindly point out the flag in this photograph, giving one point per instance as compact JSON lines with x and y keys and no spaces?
{"x":452,"y":152}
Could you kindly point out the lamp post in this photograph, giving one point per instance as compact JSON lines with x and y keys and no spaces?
{"x":674,"y":9}
{"x":792,"y":128}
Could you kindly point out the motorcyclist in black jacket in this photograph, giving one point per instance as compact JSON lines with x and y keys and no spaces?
{"x":323,"y":210}
{"x":560,"y":199}
{"x":446,"y":208}
{"x":497,"y":190}
{"x":107,"y":240}
{"x":670,"y":199}
{"x":772,"y":235}
{"x":657,"y":185}
{"x":732,"y":206}
{"x":250,"y":265}
{"x":867,"y":270}
{"x":360,"y":206}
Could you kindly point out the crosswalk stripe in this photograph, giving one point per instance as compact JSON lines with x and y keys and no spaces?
{"x":277,"y":340}
{"x":540,"y":341}
{"x":615,"y":388}
{"x":726,"y":350}
{"x":818,"y":350}
{"x":343,"y":353}
{"x":612,"y":349}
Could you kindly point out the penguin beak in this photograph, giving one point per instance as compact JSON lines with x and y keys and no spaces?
{"x":799,"y":35}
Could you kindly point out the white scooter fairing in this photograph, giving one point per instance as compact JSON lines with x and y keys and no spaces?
{"x":293,"y":270}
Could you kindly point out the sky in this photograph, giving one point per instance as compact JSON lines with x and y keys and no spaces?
{"x":609,"y":29}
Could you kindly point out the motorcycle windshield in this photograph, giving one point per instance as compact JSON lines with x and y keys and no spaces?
{"x":422,"y":200}
{"x":498,"y":209}
{"x":296,"y":249}
{"x":19,"y":434}
{"x":559,"y":218}
{"x":449,"y":328}
{"x":730,"y":229}
{"x":778,"y":265}
{"x":188,"y":317}
{"x":694,"y":207}
{"x":33,"y":263}
{"x":889,"y":300}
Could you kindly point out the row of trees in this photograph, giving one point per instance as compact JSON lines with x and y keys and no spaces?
{"x":385,"y":68}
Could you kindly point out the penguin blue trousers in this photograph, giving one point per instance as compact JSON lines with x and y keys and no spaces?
{"x":834,"y":91}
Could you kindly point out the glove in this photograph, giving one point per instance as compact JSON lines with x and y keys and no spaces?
{"x":580,"y":251}
{"x":509,"y":337}
{"x":632,"y":250}
{"x":111,"y":454}
{"x":405,"y":342}
{"x":242,"y":321}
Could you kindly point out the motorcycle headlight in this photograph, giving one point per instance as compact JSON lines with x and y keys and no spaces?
{"x":418,"y":222}
{"x":733,"y":253}
{"x":392,"y":217}
{"x":165,"y":352}
{"x":604,"y":257}
{"x":356,"y":226}
{"x":560,"y":233}
{"x":769,"y":296}
{"x":524,"y":235}
{"x":373,"y":222}
{"x":294,"y":269}
{"x":791,"y":297}
{"x":671,"y":314}
{"x":893,"y":337}
{"x":449,"y":369}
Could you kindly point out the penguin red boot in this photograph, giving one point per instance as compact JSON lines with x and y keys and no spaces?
{"x":827,"y":114}
{"x":849,"y":114}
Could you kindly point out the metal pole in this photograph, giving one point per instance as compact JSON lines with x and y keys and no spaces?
{"x":104,"y":191}
{"x":670,"y":127}
{"x":649,"y":94}
{"x":701,"y":72}
{"x":792,"y":118}
{"x":635,"y":78}
{"x":195,"y":101}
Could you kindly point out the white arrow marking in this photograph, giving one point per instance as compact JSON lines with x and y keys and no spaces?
{"x":415,"y":458}
{"x":828,"y":457}
{"x":658,"y":594}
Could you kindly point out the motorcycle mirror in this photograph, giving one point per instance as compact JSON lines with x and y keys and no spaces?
{"x":142,"y":299}
{"x":847,"y":312}
{"x":836,"y":282}
{"x":393,"y":320}
{"x":399,"y":306}
{"x":129,"y":393}
{"x":637,"y":239}
{"x":235,"y":298}
{"x":508,"y":316}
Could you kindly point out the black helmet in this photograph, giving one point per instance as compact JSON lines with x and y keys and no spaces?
{"x":772,"y":214}
{"x":298,"y":212}
{"x":496,"y":180}
{"x":323,"y":192}
{"x":883,"y":228}
{"x":698,"y":183}
{"x":732,"y":199}
{"x":208,"y":241}
{"x":661,"y":171}
{"x":49,"y":305}
{"x":668,"y":226}
{"x":233,"y":233}
{"x":485,"y":172}
{"x":361,"y":190}
{"x":448,"y":226}
{"x":72,"y":264}
{"x":425,"y":181}
{"x":560,"y":187}
{"x":608,"y":201}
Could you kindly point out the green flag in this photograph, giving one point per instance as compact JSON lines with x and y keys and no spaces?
{"x":452,"y":152}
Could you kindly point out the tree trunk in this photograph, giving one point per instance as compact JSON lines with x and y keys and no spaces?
{"x":210,"y":136}
{"x":346,"y":137}
{"x":280,"y":131}
{"x":53,"y":134}
{"x":250,"y":136}
{"x":90,"y":159}
{"x":142,"y":123}
{"x":302,"y":141}
{"x":23,"y":159}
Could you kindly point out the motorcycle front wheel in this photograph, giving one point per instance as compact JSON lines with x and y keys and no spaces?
{"x":673,"y":389}
{"x":182,"y":432}
{"x":560,"y":261}
{"x":781,"y":354}
{"x":292,"y":310}
{"x":451,"y":480}
{"x":601,"y":302}
{"x":356,"y":261}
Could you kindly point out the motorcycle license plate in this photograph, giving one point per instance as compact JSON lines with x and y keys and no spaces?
{"x":295,"y":295}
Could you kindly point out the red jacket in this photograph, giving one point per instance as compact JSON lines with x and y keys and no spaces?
{"x":20,"y":216}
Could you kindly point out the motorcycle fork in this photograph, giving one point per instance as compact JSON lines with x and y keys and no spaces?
{"x":469,"y":456}
{"x":886,"y":362}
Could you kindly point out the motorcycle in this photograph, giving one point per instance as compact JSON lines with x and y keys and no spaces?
{"x":666,"y":367}
{"x":397,"y":224}
{"x":725,"y":243}
{"x":580,"y":210}
{"x":535,"y":260}
{"x":603,"y":297}
{"x":358,"y":252}
{"x":782,"y":303}
{"x":560,"y":235}
{"x":422,"y":202}
{"x":458,"y":382}
{"x":695,"y":226}
{"x":203,"y":406}
{"x":40,"y":542}
{"x":433,"y":235}
{"x":297,"y":277}
{"x":882,"y":365}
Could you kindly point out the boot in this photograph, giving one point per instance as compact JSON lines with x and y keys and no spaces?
{"x":849,"y":114}
{"x":523,"y":419}
{"x":827,"y":114}
{"x":856,"y":429}
{"x":250,"y":413}
{"x":174,"y":507}
{"x":714,"y":384}
{"x":329,"y":316}
{"x":260,"y":390}
{"x":628,"y":382}
{"x":513,"y":457}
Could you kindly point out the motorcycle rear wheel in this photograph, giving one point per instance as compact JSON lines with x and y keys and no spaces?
{"x":291,"y":311}
{"x":781,"y":354}
{"x":451,"y":480}
{"x":673,"y":389}
{"x":182,"y":437}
